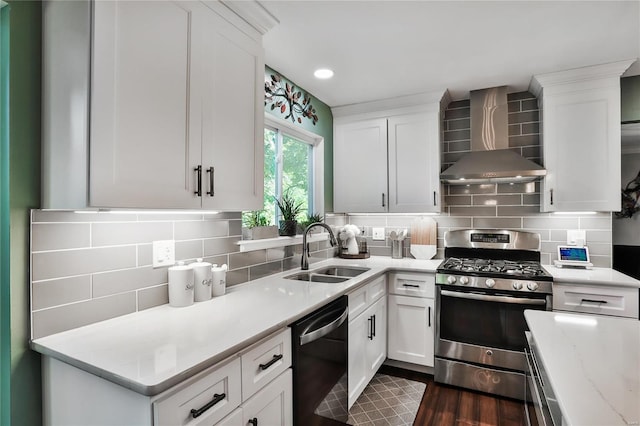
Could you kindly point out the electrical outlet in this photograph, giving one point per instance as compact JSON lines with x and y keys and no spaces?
{"x":164,"y":253}
{"x":576,"y":237}
{"x":377,"y":234}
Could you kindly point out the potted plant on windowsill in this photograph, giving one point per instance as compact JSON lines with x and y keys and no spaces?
{"x":313,"y":218}
{"x":290,"y":210}
{"x":256,"y":226}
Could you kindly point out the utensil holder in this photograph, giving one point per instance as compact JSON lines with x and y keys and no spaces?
{"x":397,"y":249}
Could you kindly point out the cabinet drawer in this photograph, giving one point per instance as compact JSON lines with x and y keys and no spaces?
{"x":197,"y":394}
{"x":616,"y":301}
{"x":265,"y":361}
{"x":410,"y":284}
{"x":363,"y":297}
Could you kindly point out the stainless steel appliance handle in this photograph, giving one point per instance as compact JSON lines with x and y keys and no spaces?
{"x":492,"y":298}
{"x":308,"y":337}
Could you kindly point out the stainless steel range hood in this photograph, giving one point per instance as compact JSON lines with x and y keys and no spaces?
{"x":490,"y":159}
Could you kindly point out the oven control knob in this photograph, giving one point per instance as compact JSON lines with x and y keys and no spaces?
{"x":451,"y":279}
{"x":517,"y":285}
{"x":464,"y":280}
{"x":490,"y":282}
{"x":532,"y":286}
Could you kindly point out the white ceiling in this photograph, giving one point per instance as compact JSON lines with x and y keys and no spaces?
{"x":384,"y":49}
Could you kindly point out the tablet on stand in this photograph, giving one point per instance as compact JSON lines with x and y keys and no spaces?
{"x":573,"y":257}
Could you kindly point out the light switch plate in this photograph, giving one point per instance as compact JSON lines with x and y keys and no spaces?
{"x":164,"y":253}
{"x":377,"y":234}
{"x":576,"y":237}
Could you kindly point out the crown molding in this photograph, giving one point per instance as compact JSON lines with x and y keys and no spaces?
{"x":576,"y":75}
{"x":254,"y":13}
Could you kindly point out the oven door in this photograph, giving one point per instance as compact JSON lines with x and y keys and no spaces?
{"x":484,"y":327}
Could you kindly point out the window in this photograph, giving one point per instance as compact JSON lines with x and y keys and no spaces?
{"x":293,"y":164}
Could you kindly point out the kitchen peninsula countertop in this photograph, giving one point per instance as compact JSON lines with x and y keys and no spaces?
{"x":152,"y":350}
{"x":593,"y":365}
{"x":594,"y":276}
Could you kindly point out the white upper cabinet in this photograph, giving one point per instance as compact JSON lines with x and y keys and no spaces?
{"x":175,"y":107}
{"x":387,"y":155}
{"x":581,"y":137}
{"x":360,"y":167}
{"x":414,"y":163}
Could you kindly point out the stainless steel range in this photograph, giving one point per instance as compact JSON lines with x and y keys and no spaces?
{"x":488,"y":279}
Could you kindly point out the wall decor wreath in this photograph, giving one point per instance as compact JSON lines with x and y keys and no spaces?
{"x":630,"y":198}
{"x":285,"y":96}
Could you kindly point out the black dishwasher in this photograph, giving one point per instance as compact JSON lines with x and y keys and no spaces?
{"x":320,"y":388}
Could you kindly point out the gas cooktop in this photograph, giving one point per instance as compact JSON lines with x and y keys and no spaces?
{"x":495,"y":268}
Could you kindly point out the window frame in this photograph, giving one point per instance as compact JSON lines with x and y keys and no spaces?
{"x":316,"y":204}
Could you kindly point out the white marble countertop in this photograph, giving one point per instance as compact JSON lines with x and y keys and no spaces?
{"x":593,"y":364}
{"x":594,"y":276}
{"x":152,"y":350}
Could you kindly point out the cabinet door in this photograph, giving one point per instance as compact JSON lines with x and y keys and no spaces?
{"x":359,"y":333}
{"x":414,"y":163}
{"x":582,"y":150}
{"x":377,"y":347}
{"x":410,"y":332}
{"x":360,"y":167}
{"x":233,"y":118}
{"x":273,"y":405}
{"x":145,"y":110}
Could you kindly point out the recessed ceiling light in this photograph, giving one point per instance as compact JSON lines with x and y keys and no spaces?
{"x":323,"y":73}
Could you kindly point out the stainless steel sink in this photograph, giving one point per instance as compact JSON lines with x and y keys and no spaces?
{"x":328,"y":274}
{"x":341,"y":271}
{"x":313,"y":277}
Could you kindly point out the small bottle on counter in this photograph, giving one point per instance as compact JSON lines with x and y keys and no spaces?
{"x":202,"y":278}
{"x":181,"y":292}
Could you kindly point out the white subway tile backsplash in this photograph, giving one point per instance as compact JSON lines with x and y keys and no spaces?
{"x":67,"y":263}
{"x":45,"y":294}
{"x":595,"y":222}
{"x":145,"y":254}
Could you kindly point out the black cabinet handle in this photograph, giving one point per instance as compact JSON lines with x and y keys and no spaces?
{"x":429,"y":315}
{"x":254,"y":421}
{"x":275,"y":359}
{"x":593,"y":301}
{"x":383,"y":199}
{"x":551,"y":192}
{"x":435,"y":203}
{"x":198,"y":191}
{"x":373,"y":333}
{"x":411,"y":285}
{"x":210,"y":191}
{"x":370,"y":331}
{"x":216,"y":398}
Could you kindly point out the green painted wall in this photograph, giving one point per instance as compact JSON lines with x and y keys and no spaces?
{"x":323,"y":127}
{"x":24,"y":193}
{"x":630,"y":97}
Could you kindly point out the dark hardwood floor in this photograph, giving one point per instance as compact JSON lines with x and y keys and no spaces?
{"x":446,"y":405}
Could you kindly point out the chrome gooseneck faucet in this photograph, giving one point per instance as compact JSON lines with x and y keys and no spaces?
{"x":305,"y":246}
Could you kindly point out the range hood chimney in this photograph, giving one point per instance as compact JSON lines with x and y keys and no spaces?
{"x":490,"y":159}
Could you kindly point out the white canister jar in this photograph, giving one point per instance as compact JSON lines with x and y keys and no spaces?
{"x":219,"y":283}
{"x":202,"y":280}
{"x":180,"y":285}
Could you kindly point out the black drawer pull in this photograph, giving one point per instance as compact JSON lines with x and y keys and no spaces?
{"x":411,"y":285}
{"x":370,"y":321}
{"x":275,"y":359}
{"x":593,"y":301}
{"x":429,"y":315}
{"x":254,"y":421}
{"x":216,"y":398}
{"x":198,"y":190}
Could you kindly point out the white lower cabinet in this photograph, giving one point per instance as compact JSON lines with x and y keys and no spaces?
{"x":255,"y":384}
{"x":593,"y":299}
{"x":411,"y":321}
{"x":272,"y":406}
{"x":367,"y":336}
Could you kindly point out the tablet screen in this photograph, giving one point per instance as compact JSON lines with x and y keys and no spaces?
{"x":573,"y":253}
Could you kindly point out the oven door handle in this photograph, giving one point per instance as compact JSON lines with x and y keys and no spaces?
{"x":491,"y":298}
